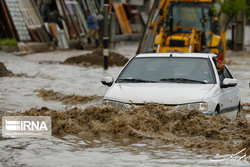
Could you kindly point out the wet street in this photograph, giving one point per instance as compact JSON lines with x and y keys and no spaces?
{"x":44,"y":70}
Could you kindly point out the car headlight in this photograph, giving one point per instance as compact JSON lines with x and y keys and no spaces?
{"x":192,"y":106}
{"x":115,"y":104}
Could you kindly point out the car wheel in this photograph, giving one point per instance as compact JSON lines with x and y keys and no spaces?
{"x":238,"y":114}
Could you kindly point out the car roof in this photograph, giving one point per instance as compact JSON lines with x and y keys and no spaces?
{"x":198,"y":55}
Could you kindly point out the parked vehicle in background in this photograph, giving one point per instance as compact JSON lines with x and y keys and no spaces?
{"x":184,"y":80}
{"x":183,"y":25}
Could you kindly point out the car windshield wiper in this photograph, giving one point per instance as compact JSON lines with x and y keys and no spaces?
{"x":134,"y":80}
{"x":181,"y":80}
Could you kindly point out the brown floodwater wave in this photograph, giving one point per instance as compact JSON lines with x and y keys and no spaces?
{"x":4,"y":72}
{"x":191,"y":129}
{"x":246,"y":108}
{"x":50,"y":95}
{"x":96,"y":59}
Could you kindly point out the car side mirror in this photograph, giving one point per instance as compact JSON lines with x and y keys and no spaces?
{"x":228,"y":82}
{"x":107,"y":81}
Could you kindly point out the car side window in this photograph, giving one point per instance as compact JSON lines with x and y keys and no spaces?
{"x":225,"y":74}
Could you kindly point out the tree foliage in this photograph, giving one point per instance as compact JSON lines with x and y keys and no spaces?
{"x":233,"y":7}
{"x":248,"y":9}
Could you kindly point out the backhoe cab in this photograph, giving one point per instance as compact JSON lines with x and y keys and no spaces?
{"x":183,"y":26}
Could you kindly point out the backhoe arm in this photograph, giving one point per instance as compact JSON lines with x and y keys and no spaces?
{"x":162,"y":6}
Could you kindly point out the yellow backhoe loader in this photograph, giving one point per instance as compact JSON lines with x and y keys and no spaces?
{"x":182,"y":26}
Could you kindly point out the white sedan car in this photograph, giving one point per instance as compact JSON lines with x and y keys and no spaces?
{"x":185,"y":80}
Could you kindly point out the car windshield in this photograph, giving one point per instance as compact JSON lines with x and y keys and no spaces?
{"x":168,"y":70}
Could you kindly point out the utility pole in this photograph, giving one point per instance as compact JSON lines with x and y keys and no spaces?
{"x":240,"y":25}
{"x":233,"y":34}
{"x":106,"y":34}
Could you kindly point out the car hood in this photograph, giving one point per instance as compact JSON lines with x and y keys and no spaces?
{"x":163,"y":93}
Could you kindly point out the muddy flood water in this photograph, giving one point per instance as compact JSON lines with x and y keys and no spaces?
{"x":86,"y":134}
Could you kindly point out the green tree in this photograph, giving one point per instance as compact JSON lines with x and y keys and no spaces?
{"x":232,"y":8}
{"x":248,"y":9}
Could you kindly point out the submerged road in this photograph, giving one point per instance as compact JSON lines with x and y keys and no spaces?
{"x":43,"y":70}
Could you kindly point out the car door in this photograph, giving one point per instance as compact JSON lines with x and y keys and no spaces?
{"x":229,"y":95}
{"x":234,"y":91}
